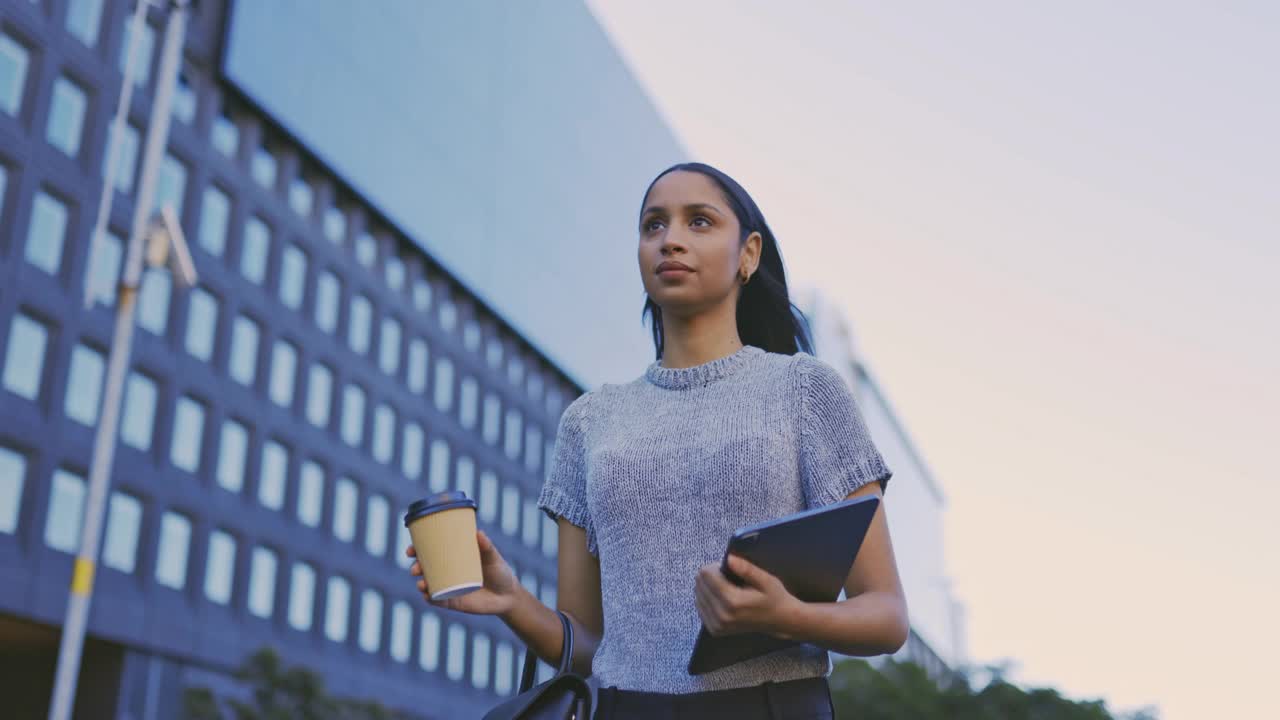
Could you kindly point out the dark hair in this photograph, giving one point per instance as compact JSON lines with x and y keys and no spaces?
{"x":766,"y":316}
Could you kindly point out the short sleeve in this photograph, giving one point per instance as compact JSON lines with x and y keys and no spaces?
{"x":837,"y":455}
{"x":564,"y":492}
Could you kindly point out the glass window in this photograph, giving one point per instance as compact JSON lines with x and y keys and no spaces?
{"x":448,"y":315}
{"x":535,"y":386}
{"x":532,"y":448}
{"x":126,"y":160}
{"x":263,"y":168}
{"x":13,"y":475}
{"x":550,"y":537}
{"x":293,"y":277}
{"x":13,"y":74}
{"x":220,"y":568}
{"x":403,"y":541}
{"x":421,"y":295}
{"x":215,"y":214}
{"x":24,"y":356}
{"x":139,"y":411}
{"x":429,"y":641}
{"x":375,"y":529}
{"x":471,"y":336}
{"x":302,"y":591}
{"x":370,"y":620}
{"x":145,"y":51}
{"x":105,"y":270}
{"x":352,"y":415}
{"x":530,"y":582}
{"x":65,"y":117}
{"x":273,"y":475}
{"x":510,"y":509}
{"x":438,"y":477}
{"x":530,"y":524}
{"x":66,"y":511}
{"x":488,"y":496}
{"x":253,"y":254}
{"x":335,"y":224}
{"x":319,"y":392}
{"x":366,"y":250}
{"x":46,"y":233}
{"x":466,"y":476}
{"x":384,"y":432}
{"x":511,"y":437}
{"x":243,"y":363}
{"x":492,"y":418}
{"x":188,"y":434}
{"x":84,"y":385}
{"x":153,"y":300}
{"x":394,"y":271}
{"x":184,"y":99}
{"x":468,"y":402}
{"x":233,"y":451}
{"x":310,"y":493}
{"x":480,"y":660}
{"x":171,"y":551}
{"x":202,"y":322}
{"x":503,"y":658}
{"x":411,"y":450}
{"x":455,"y":661}
{"x":417,"y":375}
{"x":401,"y":629}
{"x":328,"y":290}
{"x":359,"y":324}
{"x":515,"y":371}
{"x":444,"y":384}
{"x":493,"y":352}
{"x":301,"y":196}
{"x":345,"y":502}
{"x":389,"y":351}
{"x":337,"y":608}
{"x":262,"y":582}
{"x":284,"y":366}
{"x":171,"y":184}
{"x":83,"y":17}
{"x":225,"y":135}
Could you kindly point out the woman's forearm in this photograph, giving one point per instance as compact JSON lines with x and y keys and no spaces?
{"x":873,"y":623}
{"x":538,"y":626}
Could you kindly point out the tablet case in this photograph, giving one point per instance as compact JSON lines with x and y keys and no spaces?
{"x":811,"y":552}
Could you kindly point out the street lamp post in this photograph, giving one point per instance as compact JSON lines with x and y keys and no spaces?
{"x":149,"y":230}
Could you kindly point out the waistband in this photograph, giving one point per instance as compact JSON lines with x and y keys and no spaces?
{"x":802,"y":698}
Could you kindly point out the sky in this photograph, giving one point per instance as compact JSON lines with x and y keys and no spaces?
{"x":1056,"y":230}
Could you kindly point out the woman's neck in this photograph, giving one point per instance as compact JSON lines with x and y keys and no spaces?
{"x":693,"y":341}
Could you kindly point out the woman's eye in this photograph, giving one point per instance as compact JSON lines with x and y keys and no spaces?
{"x":703,"y":219}
{"x":649,"y":226}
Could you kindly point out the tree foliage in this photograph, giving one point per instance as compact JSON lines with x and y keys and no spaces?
{"x":903,"y":690}
{"x":277,"y":692}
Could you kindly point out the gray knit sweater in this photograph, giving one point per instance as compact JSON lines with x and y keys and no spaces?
{"x":660,"y":471}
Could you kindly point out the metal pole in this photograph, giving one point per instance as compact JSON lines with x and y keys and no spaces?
{"x":73,"y":629}
{"x":113,"y":147}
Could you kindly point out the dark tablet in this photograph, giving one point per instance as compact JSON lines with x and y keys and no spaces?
{"x":811,"y":552}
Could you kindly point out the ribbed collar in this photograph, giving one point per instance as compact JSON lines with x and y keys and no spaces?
{"x":698,"y":375}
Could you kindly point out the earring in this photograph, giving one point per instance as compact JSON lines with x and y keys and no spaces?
{"x":745,"y":278}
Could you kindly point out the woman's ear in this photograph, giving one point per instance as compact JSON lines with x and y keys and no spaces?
{"x":751,"y":250}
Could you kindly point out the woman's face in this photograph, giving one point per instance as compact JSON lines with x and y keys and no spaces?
{"x":686,"y":220}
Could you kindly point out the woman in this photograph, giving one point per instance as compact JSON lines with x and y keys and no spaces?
{"x":736,"y":422}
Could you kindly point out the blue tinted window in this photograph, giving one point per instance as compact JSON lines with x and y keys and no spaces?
{"x":153,"y":300}
{"x":293,"y":277}
{"x":273,"y":475}
{"x":359,"y":324}
{"x":215,"y":214}
{"x":337,"y":609}
{"x":66,"y":511}
{"x":243,"y":362}
{"x":219,"y":569}
{"x":139,"y":413}
{"x":225,"y":135}
{"x":202,"y":322}
{"x":284,"y":366}
{"x":262,"y":582}
{"x":171,"y":551}
{"x":14,"y":59}
{"x":370,"y":620}
{"x":352,"y":415}
{"x":120,"y":544}
{"x":302,"y":591}
{"x":66,"y":116}
{"x":24,"y":356}
{"x":310,"y":494}
{"x":256,"y":246}
{"x":13,"y":475}
{"x":84,"y":385}
{"x":105,"y":269}
{"x":46,"y":233}
{"x":233,"y":451}
{"x":83,"y":17}
{"x":319,"y":395}
{"x":188,"y":434}
{"x":328,"y":291}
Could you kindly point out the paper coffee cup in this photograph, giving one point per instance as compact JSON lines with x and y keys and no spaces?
{"x":443,"y":530}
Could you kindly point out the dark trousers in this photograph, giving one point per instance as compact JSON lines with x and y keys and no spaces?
{"x":805,"y":699}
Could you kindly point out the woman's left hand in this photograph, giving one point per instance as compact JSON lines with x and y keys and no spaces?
{"x":727,"y":608}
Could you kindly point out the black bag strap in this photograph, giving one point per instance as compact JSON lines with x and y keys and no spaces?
{"x":566,"y":655}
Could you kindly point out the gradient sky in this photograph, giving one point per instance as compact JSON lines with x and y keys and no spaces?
{"x":1056,"y":228}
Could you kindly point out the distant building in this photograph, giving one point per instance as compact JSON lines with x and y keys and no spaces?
{"x":914,"y":499}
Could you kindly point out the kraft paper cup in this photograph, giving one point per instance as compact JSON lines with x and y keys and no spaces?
{"x":443,"y":530}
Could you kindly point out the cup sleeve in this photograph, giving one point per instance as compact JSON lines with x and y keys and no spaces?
{"x":564,"y":492}
{"x":837,"y":454}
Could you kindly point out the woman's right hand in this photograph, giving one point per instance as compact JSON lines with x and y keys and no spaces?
{"x":496,"y":597}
